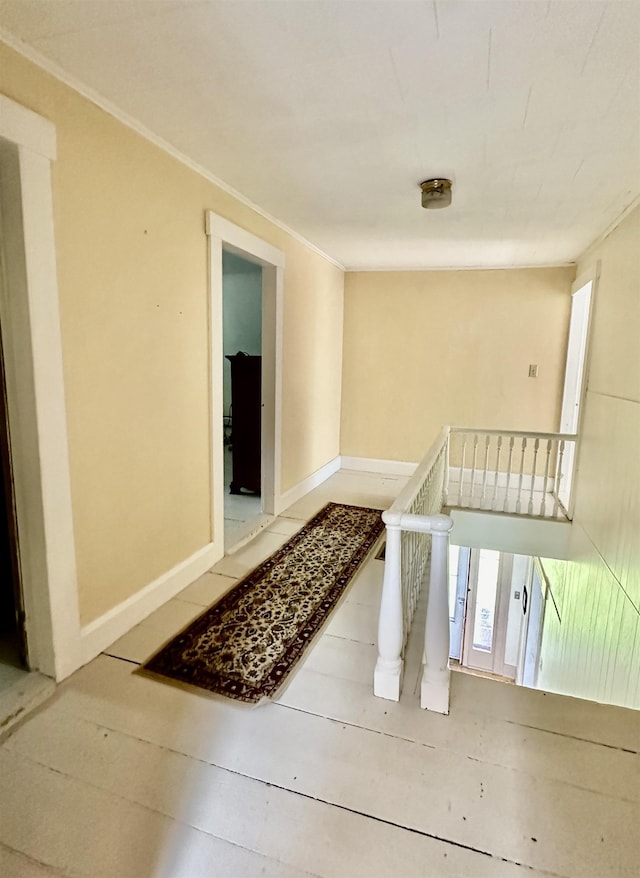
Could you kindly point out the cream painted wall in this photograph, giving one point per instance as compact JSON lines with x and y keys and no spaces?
{"x":132,"y":275}
{"x":313,"y":327}
{"x":425,"y":349}
{"x":594,"y":652}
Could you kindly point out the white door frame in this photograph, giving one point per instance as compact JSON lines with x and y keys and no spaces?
{"x":36,"y":412}
{"x":534,"y":612}
{"x":493,"y":661}
{"x":574,"y":391}
{"x":224,"y":234}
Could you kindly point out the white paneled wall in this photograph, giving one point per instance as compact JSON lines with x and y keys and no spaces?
{"x":610,"y":496}
{"x":593,"y":650}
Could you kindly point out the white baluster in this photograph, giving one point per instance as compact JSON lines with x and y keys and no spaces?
{"x":519,"y":498}
{"x":543,"y":506}
{"x":405,"y":568}
{"x":495,"y":484}
{"x":445,"y":486}
{"x":556,"y":487}
{"x":434,"y":690}
{"x":464,"y":452}
{"x":414,"y":586}
{"x":387,"y":679}
{"x":473,"y":468}
{"x":506,"y":493}
{"x":536,"y":446}
{"x":486,"y":468}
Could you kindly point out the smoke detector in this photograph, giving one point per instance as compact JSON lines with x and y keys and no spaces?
{"x":436,"y":193}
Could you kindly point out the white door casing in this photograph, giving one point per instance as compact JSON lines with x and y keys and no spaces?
{"x":529,"y":663}
{"x":36,"y":413}
{"x":492,"y":629}
{"x":224,"y":234}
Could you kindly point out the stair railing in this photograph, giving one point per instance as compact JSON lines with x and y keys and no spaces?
{"x":417,"y":533}
{"x":507,"y":471}
{"x":511,"y":471}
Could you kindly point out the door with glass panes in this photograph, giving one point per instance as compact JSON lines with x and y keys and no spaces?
{"x":490,"y":604}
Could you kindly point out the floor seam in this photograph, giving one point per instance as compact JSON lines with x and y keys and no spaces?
{"x":346,"y":808}
{"x":418,"y":743}
{"x":574,"y":737}
{"x":455,"y":753}
{"x":151,"y":809}
{"x":121,"y":658}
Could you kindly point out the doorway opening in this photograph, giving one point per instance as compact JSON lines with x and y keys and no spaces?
{"x":13,"y":635}
{"x":13,"y":639}
{"x":242,"y":394}
{"x":250,"y":424}
{"x":497,"y":604}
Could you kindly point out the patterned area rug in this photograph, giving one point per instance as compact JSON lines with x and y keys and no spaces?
{"x":247,"y":644}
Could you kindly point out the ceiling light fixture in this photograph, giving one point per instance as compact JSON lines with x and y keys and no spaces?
{"x":436,"y":192}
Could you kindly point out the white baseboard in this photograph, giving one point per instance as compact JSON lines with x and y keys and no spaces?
{"x":313,"y":481}
{"x":376,"y":465}
{"x":103,"y":631}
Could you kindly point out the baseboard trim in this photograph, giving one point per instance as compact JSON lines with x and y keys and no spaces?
{"x":313,"y":481}
{"x":377,"y":465}
{"x":103,"y":631}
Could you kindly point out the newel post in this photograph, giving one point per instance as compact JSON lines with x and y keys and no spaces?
{"x":387,"y":679}
{"x":434,"y":691}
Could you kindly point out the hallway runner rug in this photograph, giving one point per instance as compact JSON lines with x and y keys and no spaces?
{"x":247,"y":644}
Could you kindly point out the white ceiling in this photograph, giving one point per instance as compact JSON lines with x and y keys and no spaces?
{"x":328,"y":113}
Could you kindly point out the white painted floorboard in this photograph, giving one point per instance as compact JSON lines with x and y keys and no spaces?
{"x":121,"y":775}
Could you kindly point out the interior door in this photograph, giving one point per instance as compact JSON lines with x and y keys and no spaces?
{"x":534,"y":609}
{"x":574,"y":381}
{"x":485,"y":637}
{"x":458,"y":586}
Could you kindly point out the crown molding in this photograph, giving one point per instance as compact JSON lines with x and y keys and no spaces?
{"x":103,"y":103}
{"x":612,"y":226}
{"x":570,"y":264}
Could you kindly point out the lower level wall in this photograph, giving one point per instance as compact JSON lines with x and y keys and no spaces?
{"x":517,"y":534}
{"x":593,"y":650}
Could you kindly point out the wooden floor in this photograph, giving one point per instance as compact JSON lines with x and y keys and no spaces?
{"x":123,"y":776}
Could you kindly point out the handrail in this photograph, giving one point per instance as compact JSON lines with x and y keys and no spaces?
{"x":417,"y":534}
{"x":408,"y":493}
{"x":523,"y":434}
{"x":516,"y":474}
{"x":417,"y":524}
